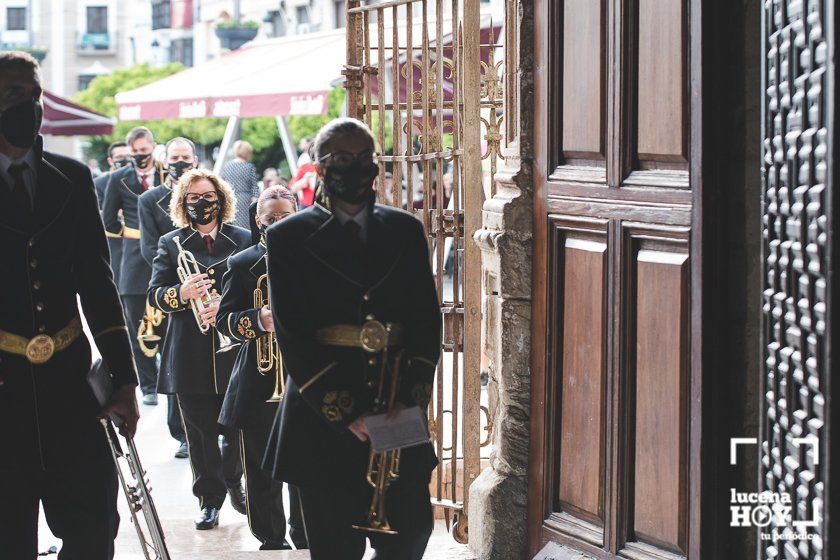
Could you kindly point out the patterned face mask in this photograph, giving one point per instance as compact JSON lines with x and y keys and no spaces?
{"x":203,"y":212}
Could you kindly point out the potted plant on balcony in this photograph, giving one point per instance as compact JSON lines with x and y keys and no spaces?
{"x":38,"y":53}
{"x":233,"y":33}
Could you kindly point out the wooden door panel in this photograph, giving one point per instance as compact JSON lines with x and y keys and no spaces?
{"x":662,"y":100}
{"x":584,"y":87}
{"x":660,"y":368}
{"x":582,"y":355}
{"x":615,"y":273}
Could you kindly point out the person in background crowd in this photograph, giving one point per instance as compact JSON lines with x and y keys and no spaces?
{"x":241,"y":175}
{"x":256,"y":233}
{"x":93,"y":165}
{"x":202,"y":207}
{"x":305,"y":181}
{"x":155,"y":221}
{"x":119,"y":155}
{"x":121,"y":195}
{"x":269,"y":179}
{"x":53,"y":451}
{"x":338,"y":272}
{"x":246,"y":406}
{"x":305,"y":155}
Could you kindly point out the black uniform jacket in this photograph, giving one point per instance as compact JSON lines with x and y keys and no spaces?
{"x":122,"y":193}
{"x":114,"y":239}
{"x":189,"y":363}
{"x":153,"y":211}
{"x":48,"y":412}
{"x":318,"y":280}
{"x":239,"y":319}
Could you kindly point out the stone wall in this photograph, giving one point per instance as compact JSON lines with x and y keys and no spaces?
{"x":498,"y":505}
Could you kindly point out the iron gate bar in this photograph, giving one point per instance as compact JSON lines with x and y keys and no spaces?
{"x":427,"y":121}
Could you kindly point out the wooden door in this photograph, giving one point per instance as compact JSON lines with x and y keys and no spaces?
{"x":616,"y":385}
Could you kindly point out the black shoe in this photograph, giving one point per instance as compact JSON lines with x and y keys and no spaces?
{"x":270,"y":545}
{"x":237,"y":498}
{"x":183,"y":451}
{"x":150,"y":399}
{"x":209,"y":518}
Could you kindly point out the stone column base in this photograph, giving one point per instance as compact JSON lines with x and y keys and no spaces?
{"x":497,"y":510}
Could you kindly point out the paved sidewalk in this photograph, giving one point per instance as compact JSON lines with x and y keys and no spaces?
{"x":171,"y":481}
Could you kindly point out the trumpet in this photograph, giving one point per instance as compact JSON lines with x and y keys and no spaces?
{"x":383,"y":467}
{"x":268,"y":353}
{"x":187,"y":267}
{"x":138,"y":494}
{"x":146,"y":333}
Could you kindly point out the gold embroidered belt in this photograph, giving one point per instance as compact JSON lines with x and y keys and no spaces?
{"x":130,"y":233}
{"x":372,"y":337}
{"x":41,"y":348}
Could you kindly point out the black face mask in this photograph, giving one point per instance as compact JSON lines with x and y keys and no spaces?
{"x":203,"y":212}
{"x":177,"y":169}
{"x":351,"y":183}
{"x":20,"y":123}
{"x":141,"y":160}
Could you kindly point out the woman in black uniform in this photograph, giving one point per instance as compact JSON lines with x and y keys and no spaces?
{"x":191,"y":365}
{"x":248,"y":405}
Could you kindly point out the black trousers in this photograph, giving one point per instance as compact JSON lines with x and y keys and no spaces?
{"x":330,"y":513}
{"x":134,"y":307}
{"x":174,"y":420}
{"x":216,"y":467}
{"x":266,"y":517}
{"x":80,"y":504}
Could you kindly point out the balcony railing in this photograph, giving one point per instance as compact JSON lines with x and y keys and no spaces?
{"x":96,"y":43}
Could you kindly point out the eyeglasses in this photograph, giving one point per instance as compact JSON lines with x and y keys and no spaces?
{"x":210,"y":196}
{"x":344,"y":159}
{"x":273,"y":218}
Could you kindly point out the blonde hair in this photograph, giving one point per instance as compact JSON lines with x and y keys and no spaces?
{"x":177,"y":206}
{"x":243,"y":149}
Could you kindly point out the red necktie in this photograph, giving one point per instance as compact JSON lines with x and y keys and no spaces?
{"x":144,"y":181}
{"x":208,"y":240}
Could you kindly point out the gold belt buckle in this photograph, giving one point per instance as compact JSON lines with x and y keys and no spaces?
{"x":373,"y":337}
{"x":40,"y":349}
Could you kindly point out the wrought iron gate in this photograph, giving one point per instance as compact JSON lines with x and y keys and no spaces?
{"x":414,"y":75}
{"x":799,"y":136}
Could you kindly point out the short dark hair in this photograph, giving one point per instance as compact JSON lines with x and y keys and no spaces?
{"x":18,"y":59}
{"x":335,"y":127}
{"x":114,"y":146}
{"x":138,"y":132}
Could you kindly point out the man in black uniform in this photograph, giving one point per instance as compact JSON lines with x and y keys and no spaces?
{"x":119,"y":155}
{"x":191,"y":366}
{"x":248,"y":405}
{"x":52,"y":448}
{"x":155,"y":221}
{"x":341,"y":275}
{"x":124,"y":188}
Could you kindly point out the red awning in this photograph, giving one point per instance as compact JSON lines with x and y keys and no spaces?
{"x":65,"y":118}
{"x":274,"y":77}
